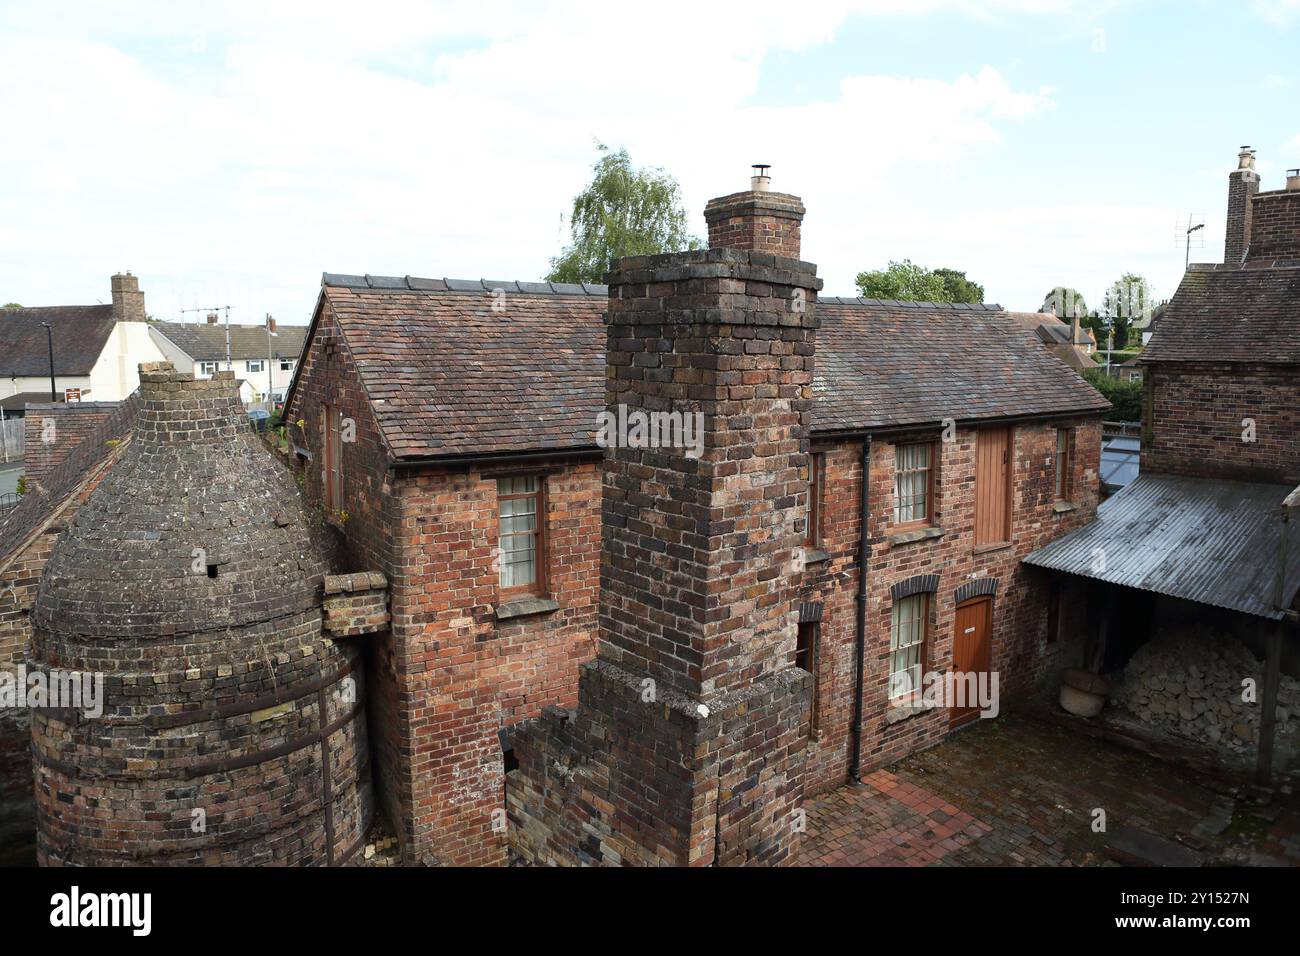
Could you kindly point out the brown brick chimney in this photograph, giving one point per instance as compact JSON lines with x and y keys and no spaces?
{"x":692,"y":721}
{"x":1243,"y":184}
{"x":757,"y":219}
{"x":128,"y":300}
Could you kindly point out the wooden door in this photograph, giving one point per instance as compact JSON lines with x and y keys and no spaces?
{"x":992,"y":486}
{"x":971,"y":652}
{"x":332,"y":466}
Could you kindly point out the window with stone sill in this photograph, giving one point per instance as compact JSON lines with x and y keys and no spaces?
{"x":910,"y":622}
{"x":521,"y":537}
{"x":913,"y":485}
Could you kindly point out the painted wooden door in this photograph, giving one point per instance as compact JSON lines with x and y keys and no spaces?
{"x":992,"y":486}
{"x":972,"y":652}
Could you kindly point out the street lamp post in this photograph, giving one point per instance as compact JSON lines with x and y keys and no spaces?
{"x":49,"y":336}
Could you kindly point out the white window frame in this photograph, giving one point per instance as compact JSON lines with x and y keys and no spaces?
{"x":260,"y":363}
{"x":907,"y":636}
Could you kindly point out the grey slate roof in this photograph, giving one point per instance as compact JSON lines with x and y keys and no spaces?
{"x":447,"y":375}
{"x":1221,"y":313}
{"x":80,"y":333}
{"x":207,"y":343}
{"x":1205,"y":540}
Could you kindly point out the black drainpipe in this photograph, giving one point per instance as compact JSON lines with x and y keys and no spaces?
{"x":860,"y":643}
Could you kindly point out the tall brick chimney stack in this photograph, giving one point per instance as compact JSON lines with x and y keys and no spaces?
{"x":128,"y":300}
{"x":1243,"y":184}
{"x":693,"y":719}
{"x":757,"y":219}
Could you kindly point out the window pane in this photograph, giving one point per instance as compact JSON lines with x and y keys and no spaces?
{"x":911,"y":483}
{"x":517,"y":532}
{"x":906,"y":640}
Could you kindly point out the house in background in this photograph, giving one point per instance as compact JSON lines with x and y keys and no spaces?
{"x":263,"y":357}
{"x":1071,"y":343}
{"x":97,"y":350}
{"x":924,"y":450}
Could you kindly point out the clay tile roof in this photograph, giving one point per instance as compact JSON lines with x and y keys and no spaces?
{"x":447,"y":375}
{"x":1232,"y":314}
{"x":80,"y":333}
{"x":207,"y":343}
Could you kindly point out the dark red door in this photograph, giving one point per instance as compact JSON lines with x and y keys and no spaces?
{"x":971,"y":653}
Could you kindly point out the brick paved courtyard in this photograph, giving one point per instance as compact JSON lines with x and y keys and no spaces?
{"x":1021,"y":791}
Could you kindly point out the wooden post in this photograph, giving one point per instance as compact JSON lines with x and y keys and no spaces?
{"x":1268,"y":718}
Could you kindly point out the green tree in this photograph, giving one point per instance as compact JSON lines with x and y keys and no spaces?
{"x":622,"y":212}
{"x":1125,"y":396}
{"x":1127,"y":303}
{"x":902,"y":280}
{"x":12,"y":305}
{"x":957,"y":288}
{"x":1064,"y":303}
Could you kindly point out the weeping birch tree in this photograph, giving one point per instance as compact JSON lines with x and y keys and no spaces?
{"x":622,"y":212}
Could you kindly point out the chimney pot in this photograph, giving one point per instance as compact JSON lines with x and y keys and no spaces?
{"x":756,"y":220}
{"x":1246,"y":158}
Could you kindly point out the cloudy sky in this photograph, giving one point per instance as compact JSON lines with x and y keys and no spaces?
{"x":229,"y":153}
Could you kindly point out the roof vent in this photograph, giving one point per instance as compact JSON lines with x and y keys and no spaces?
{"x":760,"y":182}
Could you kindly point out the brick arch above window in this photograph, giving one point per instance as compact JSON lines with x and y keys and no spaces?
{"x":983,"y":587}
{"x":810,"y":612}
{"x":919,"y":584}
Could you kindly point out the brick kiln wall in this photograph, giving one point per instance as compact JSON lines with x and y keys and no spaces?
{"x":20,"y":578}
{"x":1194,"y":416}
{"x":221,"y":694}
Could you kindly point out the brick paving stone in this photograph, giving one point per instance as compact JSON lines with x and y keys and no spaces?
{"x":1020,"y":791}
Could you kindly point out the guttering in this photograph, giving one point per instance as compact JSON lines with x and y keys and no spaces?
{"x":498,"y":457}
{"x":860,"y":639}
{"x":885,"y":431}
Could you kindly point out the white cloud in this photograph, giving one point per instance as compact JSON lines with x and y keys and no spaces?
{"x":232,"y":159}
{"x":1278,"y":12}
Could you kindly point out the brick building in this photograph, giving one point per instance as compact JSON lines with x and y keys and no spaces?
{"x":449,"y":430}
{"x":1207,"y":527}
{"x":66,"y":461}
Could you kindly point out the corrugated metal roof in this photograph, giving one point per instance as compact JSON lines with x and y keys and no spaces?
{"x":1204,"y":540}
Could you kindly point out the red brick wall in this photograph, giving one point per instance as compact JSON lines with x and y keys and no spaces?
{"x":71,"y":423}
{"x":1021,"y":654}
{"x":469,"y":675}
{"x":1194,"y":421}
